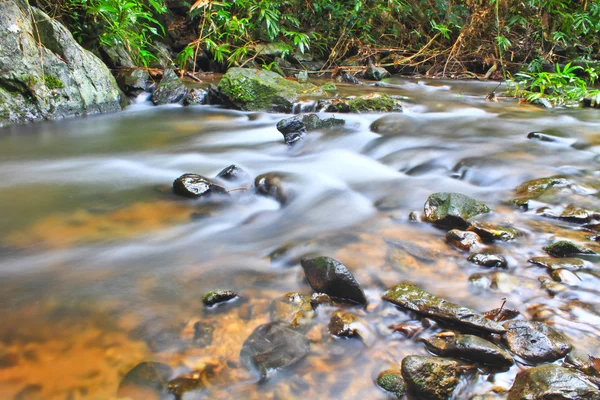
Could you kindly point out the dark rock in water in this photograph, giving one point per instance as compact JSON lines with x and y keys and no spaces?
{"x":432,"y":378}
{"x":347,"y":78}
{"x":462,"y":240}
{"x":452,"y":210}
{"x":393,"y":125}
{"x":133,"y":81}
{"x":348,"y":325}
{"x":203,"y":334}
{"x":548,"y":136}
{"x":180,"y":386}
{"x":469,"y":347}
{"x":552,"y":382}
{"x":293,"y":308}
{"x":488,"y":260}
{"x":292,"y":129}
{"x":376,"y":73}
{"x":272,"y":347}
{"x":535,"y":341}
{"x":233,"y":173}
{"x":490,"y":233}
{"x":218,"y":296}
{"x":570,"y":213}
{"x":270,"y":185}
{"x":326,"y":275}
{"x":170,"y":90}
{"x":261,"y":90}
{"x":533,"y":189}
{"x":313,"y":122}
{"x":391,"y":381}
{"x":319,"y":299}
{"x":565,"y":248}
{"x":407,"y":295}
{"x":147,"y":380}
{"x":501,"y":314}
{"x":195,"y":97}
{"x":571,"y":264}
{"x":194,"y":185}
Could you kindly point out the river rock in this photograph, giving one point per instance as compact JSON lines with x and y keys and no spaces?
{"x":46,"y":74}
{"x":548,"y":136}
{"x":320,"y":299}
{"x":294,"y":128}
{"x":407,"y":295}
{"x":552,"y":382}
{"x":391,"y":381}
{"x":374,"y":73}
{"x":565,"y":276}
{"x":233,"y":173}
{"x":181,"y":386}
{"x":203,"y":334}
{"x":270,"y":185}
{"x":535,"y":341}
{"x":535,"y":188}
{"x":570,"y":213}
{"x":469,"y":347}
{"x":462,"y":240}
{"x":217,"y":296}
{"x":272,"y":347}
{"x":170,"y":90}
{"x":195,"y":97}
{"x":260,"y":90}
{"x":194,"y":185}
{"x":374,"y":102}
{"x":146,"y":381}
{"x":346,"y":324}
{"x":488,"y":260}
{"x":430,"y":377}
{"x":326,"y":275}
{"x":565,"y":248}
{"x":571,"y":264}
{"x":452,"y":210}
{"x":490,"y":233}
{"x":293,"y":308}
{"x":393,"y":125}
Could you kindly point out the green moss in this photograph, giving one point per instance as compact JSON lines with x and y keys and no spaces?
{"x":329,"y":87}
{"x":392,"y":381}
{"x":52,"y":82}
{"x":374,"y":103}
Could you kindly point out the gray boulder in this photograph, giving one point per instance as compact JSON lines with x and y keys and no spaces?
{"x":52,"y":79}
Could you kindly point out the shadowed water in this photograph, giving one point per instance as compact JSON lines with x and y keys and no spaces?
{"x":102,"y":267}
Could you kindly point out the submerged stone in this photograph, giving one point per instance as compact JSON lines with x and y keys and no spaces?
{"x":488,"y":260}
{"x":535,"y":341}
{"x":326,"y":275}
{"x":180,"y":386}
{"x":218,"y":296}
{"x":170,"y":90}
{"x":552,"y":382}
{"x":469,"y":347}
{"x":391,"y":381}
{"x":490,"y":233}
{"x":272,"y":347}
{"x":259,"y":90}
{"x":565,"y":248}
{"x":194,"y":185}
{"x":203,"y":334}
{"x":570,"y":213}
{"x":147,"y":380}
{"x":535,"y":188}
{"x":233,"y":173}
{"x":393,"y":125}
{"x":293,"y":308}
{"x":452,"y":210}
{"x":571,"y":264}
{"x":430,"y":377}
{"x":462,"y":240}
{"x":408,"y":296}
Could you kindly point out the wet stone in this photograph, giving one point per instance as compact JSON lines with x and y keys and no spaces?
{"x":490,"y":233}
{"x":203,"y":334}
{"x":570,"y":213}
{"x":195,"y":97}
{"x":452,"y":210}
{"x":462,"y":240}
{"x":270,"y":185}
{"x":147,"y":380}
{"x":170,"y":90}
{"x":293,"y":308}
{"x":430,"y":377}
{"x":552,"y":382}
{"x":566,"y":277}
{"x":488,"y":260}
{"x":194,"y":185}
{"x":320,"y":299}
{"x":272,"y":347}
{"x":374,"y":73}
{"x":410,"y":297}
{"x":565,"y":248}
{"x":326,"y":275}
{"x":571,"y":264}
{"x":535,"y":341}
{"x":218,"y":296}
{"x":233,"y":173}
{"x":469,"y":347}
{"x":535,"y":188}
{"x":343,"y":324}
{"x":181,"y":386}
{"x":501,"y":314}
{"x":294,"y":128}
{"x":391,"y":381}
{"x":548,"y":136}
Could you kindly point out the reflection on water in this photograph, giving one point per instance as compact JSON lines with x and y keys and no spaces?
{"x":102,"y":267}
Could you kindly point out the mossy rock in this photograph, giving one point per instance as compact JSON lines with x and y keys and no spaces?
{"x":430,"y":377}
{"x":552,"y":382}
{"x":392,"y":382}
{"x":251,"y":89}
{"x":452,"y":210}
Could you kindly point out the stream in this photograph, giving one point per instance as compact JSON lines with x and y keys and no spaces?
{"x":103,"y":267}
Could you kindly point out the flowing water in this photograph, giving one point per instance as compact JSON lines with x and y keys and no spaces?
{"x":102,"y":267}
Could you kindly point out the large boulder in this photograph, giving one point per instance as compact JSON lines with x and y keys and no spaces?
{"x":171,"y":90}
{"x":259,"y":90}
{"x":45,"y":73}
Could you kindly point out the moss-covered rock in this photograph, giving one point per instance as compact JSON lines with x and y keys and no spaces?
{"x":565,"y":248}
{"x":374,"y":102}
{"x":170,"y":90}
{"x":432,"y":378}
{"x":535,"y":341}
{"x":535,"y":188}
{"x":391,"y":381}
{"x":552,"y":382}
{"x":218,"y":296}
{"x":376,"y":73}
{"x":490,"y":233}
{"x":452,"y":210}
{"x":259,"y":90}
